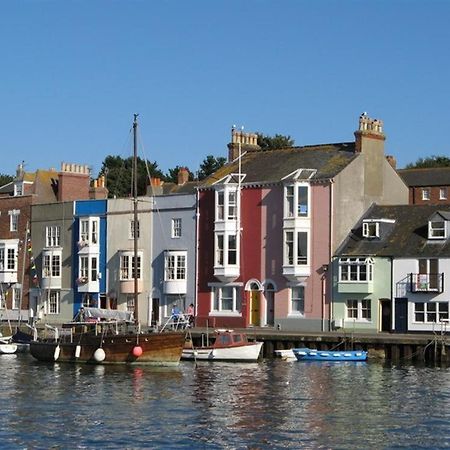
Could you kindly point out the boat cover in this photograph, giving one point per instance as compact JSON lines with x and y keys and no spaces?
{"x":107,"y":314}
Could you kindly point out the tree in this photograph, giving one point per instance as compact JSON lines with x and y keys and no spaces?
{"x":431,"y":161}
{"x":172,"y":175}
{"x":118,"y":174}
{"x":210,"y":165}
{"x":274,"y":142}
{"x":5,"y":179}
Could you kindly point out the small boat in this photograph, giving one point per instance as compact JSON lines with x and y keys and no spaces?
{"x":285,"y":355}
{"x":103,"y":336}
{"x":309,"y":354}
{"x":224,"y":345}
{"x":7,"y":346}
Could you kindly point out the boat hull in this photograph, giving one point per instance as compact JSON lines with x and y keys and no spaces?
{"x":249,"y":352}
{"x":306,"y":354}
{"x":8,"y":349}
{"x":155,"y":348}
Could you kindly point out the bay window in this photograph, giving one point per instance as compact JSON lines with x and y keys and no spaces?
{"x":296,"y":201}
{"x":175,"y":266}
{"x":296,"y":248}
{"x":355,"y":269}
{"x":126,"y":268}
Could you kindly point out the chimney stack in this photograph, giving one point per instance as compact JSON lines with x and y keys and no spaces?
{"x":247,"y":142}
{"x":392,"y":161}
{"x":368,"y":129}
{"x":155,"y":187}
{"x":73,"y":182}
{"x":98,"y":189}
{"x":183,"y":176}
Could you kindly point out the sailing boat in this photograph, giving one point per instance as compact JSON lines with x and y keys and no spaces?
{"x":102,"y":336}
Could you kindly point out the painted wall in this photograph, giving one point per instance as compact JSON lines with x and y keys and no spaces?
{"x":120,"y":214}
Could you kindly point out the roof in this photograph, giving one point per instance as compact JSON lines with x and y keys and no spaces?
{"x":174,"y":188}
{"x":273,"y":165}
{"x":407,"y":237}
{"x":435,"y":176}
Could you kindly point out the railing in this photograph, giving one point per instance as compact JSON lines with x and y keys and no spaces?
{"x":426,"y":282}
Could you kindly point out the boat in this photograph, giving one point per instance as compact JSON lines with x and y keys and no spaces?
{"x":309,"y":354}
{"x":106,"y":336}
{"x":285,"y":355}
{"x":224,"y":345}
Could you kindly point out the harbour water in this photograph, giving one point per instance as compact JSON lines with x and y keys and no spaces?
{"x":271,"y":404}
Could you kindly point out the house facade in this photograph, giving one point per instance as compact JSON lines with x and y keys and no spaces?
{"x":269,"y":222}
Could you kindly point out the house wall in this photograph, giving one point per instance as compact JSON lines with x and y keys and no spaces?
{"x":166,"y":208}
{"x":415,"y":195}
{"x":44,"y":215}
{"x":119,"y":217}
{"x":402,"y":267}
{"x":354,"y":291}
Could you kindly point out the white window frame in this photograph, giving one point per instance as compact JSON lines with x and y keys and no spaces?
{"x":14,"y":220}
{"x":297,"y":299}
{"x":16,"y":294}
{"x":8,"y":257}
{"x":177,"y":229}
{"x":175,"y":264}
{"x":427,"y":312}
{"x":89,"y":230}
{"x":371,"y":229}
{"x":18,"y":189}
{"x":130,"y":303}
{"x":292,"y":254}
{"x":426,"y":194}
{"x":435,"y":232}
{"x":224,"y":251}
{"x":51,"y":265}
{"x":443,"y":195}
{"x":126,"y":268}
{"x":52,"y":236}
{"x":227,"y":203}
{"x":292,"y":207}
{"x":54,"y":302}
{"x":138,"y":229}
{"x":362,"y":307}
{"x":217,"y":296}
{"x":350,"y":270}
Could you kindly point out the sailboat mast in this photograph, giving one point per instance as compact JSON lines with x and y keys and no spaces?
{"x":135,"y":219}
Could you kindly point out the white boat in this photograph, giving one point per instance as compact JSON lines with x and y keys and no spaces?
{"x":286,"y":355}
{"x":7,"y":347}
{"x":227,"y":345}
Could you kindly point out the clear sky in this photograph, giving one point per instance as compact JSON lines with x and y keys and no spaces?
{"x":74,"y":72}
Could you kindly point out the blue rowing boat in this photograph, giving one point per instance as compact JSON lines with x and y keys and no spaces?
{"x":309,"y":354}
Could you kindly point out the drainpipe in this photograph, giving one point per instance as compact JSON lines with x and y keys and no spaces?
{"x":330,"y":272}
{"x":197,"y":217}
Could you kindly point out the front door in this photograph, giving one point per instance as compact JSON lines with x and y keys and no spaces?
{"x":386,"y":312}
{"x":401,"y":315}
{"x":155,"y":311}
{"x":270,"y":308}
{"x":255,"y":308}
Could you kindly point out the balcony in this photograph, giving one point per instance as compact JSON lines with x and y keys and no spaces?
{"x":426,"y":282}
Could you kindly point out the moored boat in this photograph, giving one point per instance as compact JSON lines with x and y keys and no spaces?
{"x":309,"y":354}
{"x":224,"y":345}
{"x":108,"y":337}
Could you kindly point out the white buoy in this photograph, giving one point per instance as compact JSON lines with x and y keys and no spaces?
{"x":77,"y":351}
{"x":99,"y":355}
{"x":57,"y":352}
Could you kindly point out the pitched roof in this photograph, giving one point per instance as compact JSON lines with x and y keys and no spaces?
{"x":407,"y":237}
{"x":174,"y":188}
{"x":273,"y":165}
{"x":435,"y":176}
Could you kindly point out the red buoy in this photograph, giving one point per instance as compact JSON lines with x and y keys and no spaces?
{"x":137,"y":351}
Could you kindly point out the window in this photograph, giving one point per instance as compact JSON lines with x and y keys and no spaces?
{"x":84,"y":230}
{"x":219,"y":250}
{"x":225,"y":298}
{"x":14,"y":220}
{"x":8,"y":260}
{"x":371,"y":229}
{"x":226,"y":249}
{"x":89,"y":301}
{"x":296,"y":201}
{"x":52,"y":236}
{"x":442,"y":193}
{"x":425,"y":194}
{"x":232,"y":207}
{"x":220,"y":205}
{"x":138,"y":230}
{"x":18,"y":189}
{"x":127,"y":266}
{"x":436,"y":229}
{"x":432,"y":312}
{"x":16,"y":298}
{"x":89,"y":228}
{"x":175,"y":266}
{"x":298,"y":241}
{"x":84,"y":268}
{"x":232,"y":249}
{"x":227,"y":203}
{"x":51,"y":265}
{"x":11,"y":262}
{"x":298,"y":300}
{"x":94,"y":268}
{"x":130,"y":303}
{"x":53,"y":302}
{"x":355,"y":269}
{"x":359,"y":309}
{"x":176,"y":228}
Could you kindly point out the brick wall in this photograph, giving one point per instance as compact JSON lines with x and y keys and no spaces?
{"x":416,"y":195}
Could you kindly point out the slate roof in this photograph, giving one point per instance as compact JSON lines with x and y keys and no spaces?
{"x":273,"y":165}
{"x":408,"y":237}
{"x":436,"y":176}
{"x":174,"y":188}
{"x":44,"y":185}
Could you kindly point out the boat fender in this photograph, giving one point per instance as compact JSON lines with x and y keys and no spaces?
{"x":57,"y":352}
{"x":137,"y":351}
{"x":99,"y":355}
{"x":77,"y":351}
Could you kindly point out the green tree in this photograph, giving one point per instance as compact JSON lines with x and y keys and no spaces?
{"x":118,"y":174}
{"x":429,"y":162}
{"x":5,"y":179}
{"x":172,"y":175}
{"x":274,"y":142}
{"x":209,"y":165}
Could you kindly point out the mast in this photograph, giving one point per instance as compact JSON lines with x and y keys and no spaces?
{"x":135,"y":219}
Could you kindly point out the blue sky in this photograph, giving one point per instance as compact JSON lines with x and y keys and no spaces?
{"x":74,"y":72}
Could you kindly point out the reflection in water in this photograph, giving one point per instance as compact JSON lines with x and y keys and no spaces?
{"x":272,"y":404}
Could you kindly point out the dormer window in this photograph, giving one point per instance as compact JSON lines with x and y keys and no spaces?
{"x":18,"y":189}
{"x":437,"y":229}
{"x":371,"y":229}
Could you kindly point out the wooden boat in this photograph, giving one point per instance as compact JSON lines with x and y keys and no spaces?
{"x":105,"y":337}
{"x":225,"y":345}
{"x":308,"y":354}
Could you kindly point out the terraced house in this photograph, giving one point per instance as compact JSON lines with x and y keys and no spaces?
{"x":270,"y":221}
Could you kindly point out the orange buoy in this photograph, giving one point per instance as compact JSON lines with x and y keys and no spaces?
{"x":137,"y":351}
